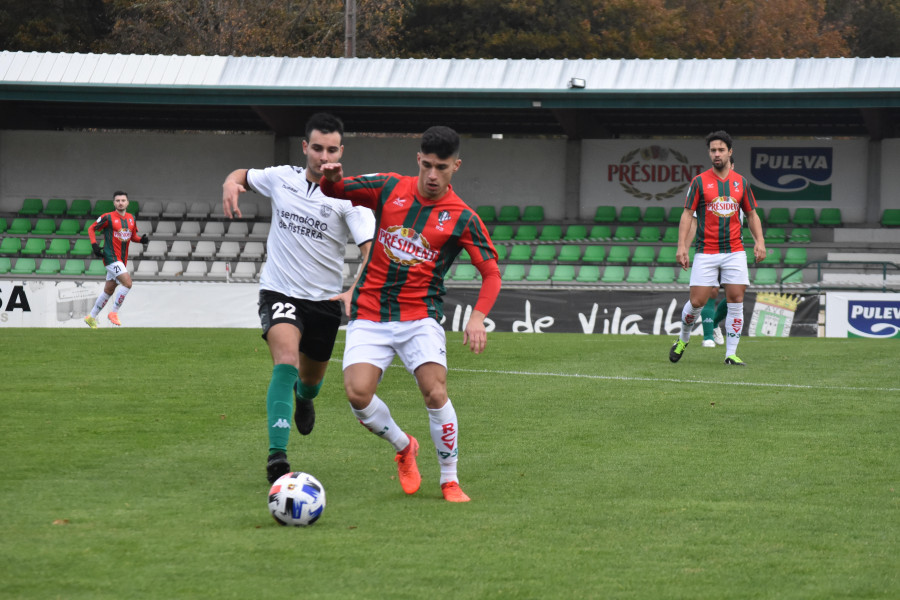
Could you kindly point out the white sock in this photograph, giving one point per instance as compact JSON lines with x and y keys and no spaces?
{"x":689,"y":317}
{"x":102,"y":299}
{"x":444,"y":430}
{"x":734,"y":324}
{"x":120,"y":292}
{"x":376,"y":417}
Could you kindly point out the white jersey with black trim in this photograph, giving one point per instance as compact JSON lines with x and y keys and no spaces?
{"x":309,"y":232}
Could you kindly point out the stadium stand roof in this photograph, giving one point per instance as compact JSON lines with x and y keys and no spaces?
{"x":620,"y":98}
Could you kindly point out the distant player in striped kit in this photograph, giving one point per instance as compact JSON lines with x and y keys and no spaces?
{"x":119,"y":230}
{"x":718,"y":196}
{"x":421,"y":227}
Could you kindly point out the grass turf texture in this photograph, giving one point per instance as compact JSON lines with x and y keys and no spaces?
{"x":133,"y":463}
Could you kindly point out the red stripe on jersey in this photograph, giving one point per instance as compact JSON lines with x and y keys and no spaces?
{"x":118,"y":231}
{"x":718,"y":203}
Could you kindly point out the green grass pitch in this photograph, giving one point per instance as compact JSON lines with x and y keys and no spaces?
{"x":132,"y":466}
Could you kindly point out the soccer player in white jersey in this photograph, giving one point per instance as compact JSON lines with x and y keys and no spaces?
{"x":300,"y":299}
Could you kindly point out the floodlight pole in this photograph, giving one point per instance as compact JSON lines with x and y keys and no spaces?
{"x":350,"y":28}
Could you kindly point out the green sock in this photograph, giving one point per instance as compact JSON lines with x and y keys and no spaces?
{"x":721,"y":311}
{"x":307,"y":392}
{"x":706,"y":315}
{"x":280,"y":406}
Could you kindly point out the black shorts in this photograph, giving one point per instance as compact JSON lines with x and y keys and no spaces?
{"x":318,"y":321}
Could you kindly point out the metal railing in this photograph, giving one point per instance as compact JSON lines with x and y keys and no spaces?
{"x":884,"y":266}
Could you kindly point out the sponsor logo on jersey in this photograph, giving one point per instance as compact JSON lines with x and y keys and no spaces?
{"x":873,"y":318}
{"x":723,"y":206}
{"x":792,"y":173}
{"x":405,"y":245}
{"x":302,"y":225}
{"x":123,"y":234}
{"x":287,"y":187}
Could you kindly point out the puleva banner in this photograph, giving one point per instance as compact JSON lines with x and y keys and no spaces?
{"x":799,"y":173}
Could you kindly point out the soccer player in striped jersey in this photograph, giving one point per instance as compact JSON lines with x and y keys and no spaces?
{"x":421,"y":226}
{"x":718,"y":196}
{"x":119,"y":230}
{"x":300,"y":299}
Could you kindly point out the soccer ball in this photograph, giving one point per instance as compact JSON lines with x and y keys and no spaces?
{"x":296,"y":499}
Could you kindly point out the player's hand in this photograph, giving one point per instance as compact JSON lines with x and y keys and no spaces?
{"x":760,"y":252}
{"x":475,"y":334}
{"x":683,"y":258}
{"x":145,"y":239}
{"x":333,"y":172}
{"x":95,"y":248}
{"x":344,"y":298}
{"x":230,"y":192}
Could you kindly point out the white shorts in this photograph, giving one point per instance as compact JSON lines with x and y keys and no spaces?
{"x":376,"y":343}
{"x":114,"y":270}
{"x":714,"y":269}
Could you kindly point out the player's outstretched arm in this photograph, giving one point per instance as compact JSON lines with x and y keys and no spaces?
{"x":333,"y":172}
{"x":235,"y":185}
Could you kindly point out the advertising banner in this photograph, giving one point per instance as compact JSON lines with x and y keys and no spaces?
{"x":857,"y":314}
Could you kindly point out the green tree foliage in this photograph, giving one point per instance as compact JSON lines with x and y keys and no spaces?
{"x":872,"y":25}
{"x":52,"y":25}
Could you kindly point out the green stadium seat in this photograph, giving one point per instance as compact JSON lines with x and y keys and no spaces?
{"x":465,"y":272}
{"x":502,"y":251}
{"x":538,"y":273}
{"x":795,"y":256}
{"x":746,"y":236}
{"x":684,"y":275}
{"x":533,"y":214}
{"x":600,"y":232}
{"x":792,"y":276}
{"x":890,"y":217}
{"x":68,"y":227}
{"x":463,"y":256}
{"x":569,"y":253}
{"x":134,"y":207}
{"x":765,"y":276}
{"x":49,"y":266}
{"x":655,"y":214}
{"x":643,"y":254}
{"x":513,"y":273}
{"x":23,"y":266}
{"x":31,"y":207}
{"x":773,"y":257}
{"x":58,"y":247}
{"x":778,"y":216}
{"x":19,"y":226}
{"x":663,"y":275}
{"x":563,"y":273}
{"x":670,"y":235}
{"x":774,"y":235}
{"x":618,"y":254}
{"x":487,"y":213}
{"x":79,"y":208}
{"x":667,"y":255}
{"x":3,"y":224}
{"x":649,"y":234}
{"x":34,"y":247}
{"x":56,"y":207}
{"x":73,"y":266}
{"x":594,"y":254}
{"x":5,"y":265}
{"x":544,"y":253}
{"x":508,"y":214}
{"x":625,"y":233}
{"x":800,"y":235}
{"x":762,"y":214}
{"x":82,"y":247}
{"x":87,"y":224}
{"x":638,"y":274}
{"x":95,"y":267}
{"x":588,"y":274}
{"x":674,"y":214}
{"x":502,"y":233}
{"x":551,"y":233}
{"x":102,"y":207}
{"x":10,"y":246}
{"x":521,"y":253}
{"x":613,"y":274}
{"x":526,"y":233}
{"x":44,"y":226}
{"x":576,"y":232}
{"x":629,"y":214}
{"x":804,"y":217}
{"x":830,"y":217}
{"x":605,"y":214}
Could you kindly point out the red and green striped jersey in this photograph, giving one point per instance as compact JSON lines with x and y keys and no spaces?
{"x":118,"y":232}
{"x":416,"y":241}
{"x":718,"y":203}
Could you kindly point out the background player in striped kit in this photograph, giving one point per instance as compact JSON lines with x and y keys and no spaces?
{"x":717,"y":196}
{"x":119,"y":230}
{"x":421,"y":226}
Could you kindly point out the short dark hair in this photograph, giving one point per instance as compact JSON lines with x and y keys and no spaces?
{"x":719,"y":135}
{"x":120,"y":193}
{"x":440,"y":141}
{"x":326,"y":123}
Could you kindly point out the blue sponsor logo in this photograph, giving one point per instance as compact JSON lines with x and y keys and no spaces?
{"x":792,"y":173}
{"x":873,"y":318}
